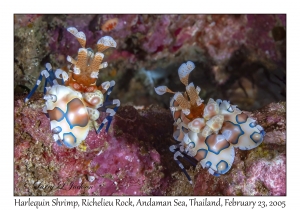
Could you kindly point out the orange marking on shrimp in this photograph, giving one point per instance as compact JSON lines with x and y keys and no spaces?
{"x":110,"y":24}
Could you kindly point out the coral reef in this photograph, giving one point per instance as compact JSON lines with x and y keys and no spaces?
{"x":243,"y":56}
{"x":121,"y":162}
{"x":133,"y":157}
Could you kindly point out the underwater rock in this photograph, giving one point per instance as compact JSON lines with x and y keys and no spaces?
{"x":133,"y":158}
{"x":230,"y":46}
{"x":120,"y":162}
{"x":273,"y":118}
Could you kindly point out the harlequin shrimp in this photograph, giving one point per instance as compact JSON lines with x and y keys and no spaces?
{"x":76,"y":103}
{"x":208,"y":132}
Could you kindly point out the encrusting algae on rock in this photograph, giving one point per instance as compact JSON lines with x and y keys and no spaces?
{"x":132,"y":158}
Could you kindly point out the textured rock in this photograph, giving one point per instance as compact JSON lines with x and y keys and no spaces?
{"x":133,"y":158}
{"x":121,"y":162}
{"x":241,"y":58}
{"x":273,"y":119}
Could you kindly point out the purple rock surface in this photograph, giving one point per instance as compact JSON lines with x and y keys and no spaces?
{"x":244,"y":56}
{"x":133,"y":158}
{"x":241,"y":58}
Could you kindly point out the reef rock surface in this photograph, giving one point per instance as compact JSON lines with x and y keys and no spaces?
{"x":241,"y":58}
{"x":133,"y":157}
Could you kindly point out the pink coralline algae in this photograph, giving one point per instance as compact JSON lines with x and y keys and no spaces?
{"x":241,"y":58}
{"x":242,"y":55}
{"x":133,"y":158}
{"x":273,"y":116}
{"x":270,"y":174}
{"x":114,"y":163}
{"x":121,"y":166}
{"x":153,"y":42}
{"x":159,"y":36}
